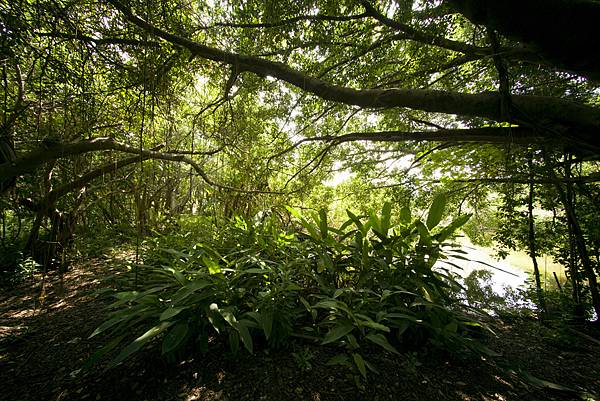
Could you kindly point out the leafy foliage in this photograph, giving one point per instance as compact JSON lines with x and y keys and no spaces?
{"x":371,"y":280}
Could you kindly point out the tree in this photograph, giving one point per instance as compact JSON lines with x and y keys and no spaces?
{"x":280,"y":88}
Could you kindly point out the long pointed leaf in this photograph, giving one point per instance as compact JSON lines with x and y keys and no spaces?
{"x":175,"y":337}
{"x":436,"y":211}
{"x":338,"y":331}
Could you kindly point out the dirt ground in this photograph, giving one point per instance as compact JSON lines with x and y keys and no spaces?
{"x":43,"y":343}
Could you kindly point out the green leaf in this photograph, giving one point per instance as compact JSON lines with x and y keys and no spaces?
{"x":170,"y":312}
{"x":306,"y":304}
{"x":176,"y":253}
{"x":339,"y":359}
{"x":374,"y":325}
{"x":189,"y":289}
{"x":375,"y":222}
{"x":337,"y":332}
{"x":541,"y":383}
{"x":380,"y":340}
{"x":451,"y":228}
{"x":451,"y":327}
{"x":436,"y":211}
{"x":356,"y":221}
{"x":175,"y":337}
{"x":327,"y":304}
{"x":96,"y":356}
{"x":360,"y":364}
{"x":121,"y":317}
{"x":228,"y":316}
{"x":178,"y":276}
{"x":424,"y":234}
{"x":405,"y":216}
{"x":323,"y":223}
{"x":386,"y":213}
{"x":307,"y":225}
{"x":213,"y":267}
{"x":234,"y":341}
{"x":267,"y":322}
{"x":140,"y":342}
{"x":254,"y":270}
{"x":242,"y":328}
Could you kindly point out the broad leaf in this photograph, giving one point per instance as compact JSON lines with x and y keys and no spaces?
{"x":140,"y":342}
{"x":175,"y":337}
{"x":337,"y":332}
{"x":380,"y":340}
{"x":436,"y":211}
{"x":339,"y":359}
{"x":170,"y":312}
{"x":360,"y":364}
{"x":242,"y":328}
{"x":405,"y":216}
{"x":451,"y":228}
{"x":323,"y":223}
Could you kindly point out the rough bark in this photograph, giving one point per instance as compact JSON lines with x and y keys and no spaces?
{"x":565,"y":32}
{"x":474,"y":52}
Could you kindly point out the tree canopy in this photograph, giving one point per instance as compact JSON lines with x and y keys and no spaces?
{"x":240,"y":105}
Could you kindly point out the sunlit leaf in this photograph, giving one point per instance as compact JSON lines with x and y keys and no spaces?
{"x":436,"y":211}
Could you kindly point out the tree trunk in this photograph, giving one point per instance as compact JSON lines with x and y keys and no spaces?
{"x":532,"y":248}
{"x":578,"y":311}
{"x":579,"y":239}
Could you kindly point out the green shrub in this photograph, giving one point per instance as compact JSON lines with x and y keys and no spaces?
{"x":369,"y":281}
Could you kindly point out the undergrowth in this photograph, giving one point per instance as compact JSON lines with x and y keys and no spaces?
{"x":370,"y":280}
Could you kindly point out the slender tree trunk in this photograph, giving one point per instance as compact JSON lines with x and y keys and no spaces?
{"x":579,"y":239}
{"x":532,"y":248}
{"x":573,"y":271}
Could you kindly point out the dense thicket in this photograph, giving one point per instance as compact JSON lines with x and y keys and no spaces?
{"x":119,"y":117}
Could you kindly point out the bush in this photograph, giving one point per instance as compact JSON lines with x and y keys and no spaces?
{"x":366,"y":282}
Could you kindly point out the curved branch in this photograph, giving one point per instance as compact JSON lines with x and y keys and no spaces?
{"x":289,"y":21}
{"x":57,"y":193}
{"x":99,"y":41}
{"x":33,"y":160}
{"x":473,"y":135}
{"x":522,"y":54}
{"x":583,"y":121}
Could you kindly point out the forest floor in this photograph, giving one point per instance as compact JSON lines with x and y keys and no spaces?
{"x":42,"y":348}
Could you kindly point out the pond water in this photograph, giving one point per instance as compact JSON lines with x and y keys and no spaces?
{"x":504,"y":274}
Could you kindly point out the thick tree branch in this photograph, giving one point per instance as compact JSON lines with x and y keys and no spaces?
{"x":33,"y":160}
{"x":583,"y":122}
{"x":522,"y":54}
{"x":57,"y":193}
{"x":473,"y":135}
{"x":564,"y":32}
{"x":99,"y":41}
{"x":289,"y":21}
